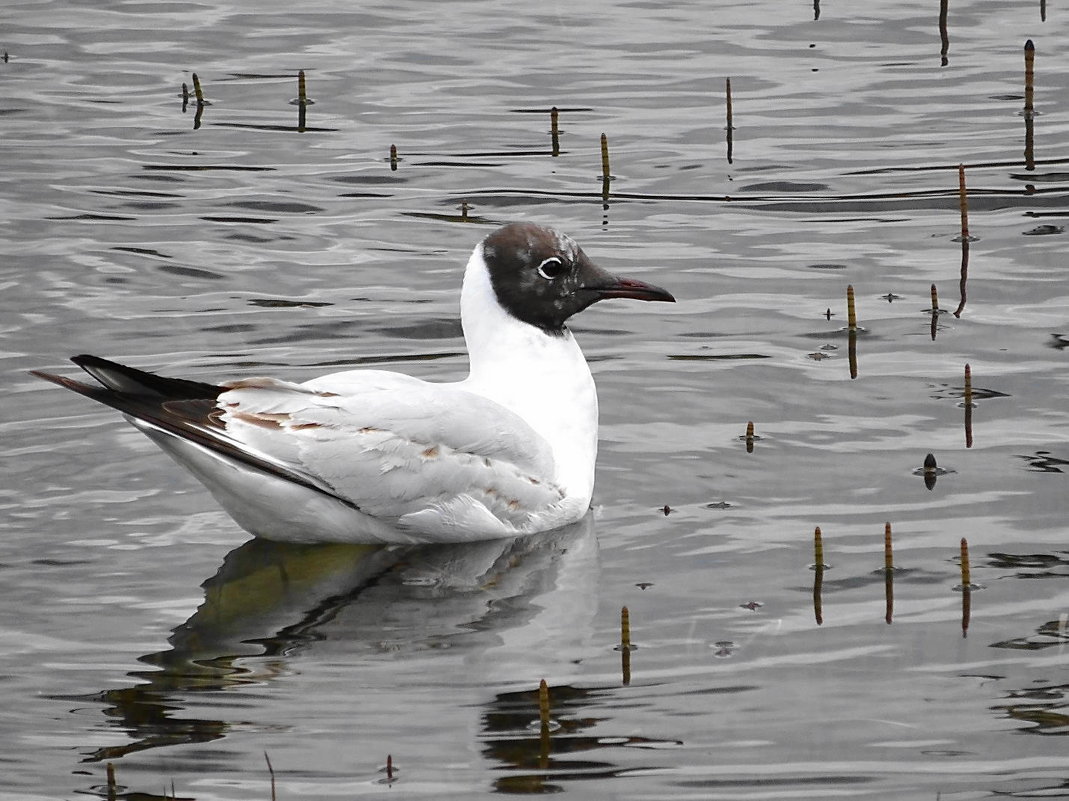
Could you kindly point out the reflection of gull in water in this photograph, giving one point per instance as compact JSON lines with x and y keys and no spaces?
{"x":514,"y":609}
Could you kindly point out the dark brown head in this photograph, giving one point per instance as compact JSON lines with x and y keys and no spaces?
{"x":542,"y":277}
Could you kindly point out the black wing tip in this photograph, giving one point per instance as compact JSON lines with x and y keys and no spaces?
{"x":83,"y":359}
{"x":132,"y":381}
{"x":181,"y":414}
{"x":88,"y":360}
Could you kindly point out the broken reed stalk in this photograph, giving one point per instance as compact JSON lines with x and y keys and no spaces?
{"x":389,"y":767}
{"x":966,"y":573}
{"x":543,"y":705}
{"x":113,"y":788}
{"x":851,"y":325}
{"x":198,"y":92}
{"x":963,"y":203}
{"x":625,"y":646}
{"x":393,"y":158}
{"x":888,"y":552}
{"x":554,"y":130}
{"x":818,"y":549}
{"x":302,"y":102}
{"x":1029,"y":77}
{"x":749,"y":437}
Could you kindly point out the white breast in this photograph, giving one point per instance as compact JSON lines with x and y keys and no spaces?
{"x":542,"y":377}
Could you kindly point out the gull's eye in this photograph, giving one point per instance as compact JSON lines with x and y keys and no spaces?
{"x":552,"y":268}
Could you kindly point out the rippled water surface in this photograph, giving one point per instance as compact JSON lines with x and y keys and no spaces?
{"x":141,"y":628}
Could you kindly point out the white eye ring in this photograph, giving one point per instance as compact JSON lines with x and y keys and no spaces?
{"x":551,"y":268}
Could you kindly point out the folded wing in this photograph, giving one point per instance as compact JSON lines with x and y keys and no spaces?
{"x":432,"y":458}
{"x":397,"y":447}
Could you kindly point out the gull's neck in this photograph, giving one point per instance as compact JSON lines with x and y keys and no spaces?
{"x":542,"y":377}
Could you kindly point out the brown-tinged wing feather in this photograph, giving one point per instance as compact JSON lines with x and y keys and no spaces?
{"x":190,"y":418}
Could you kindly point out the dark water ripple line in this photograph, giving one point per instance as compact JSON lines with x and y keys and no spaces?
{"x":972,"y":165}
{"x":741,"y":199}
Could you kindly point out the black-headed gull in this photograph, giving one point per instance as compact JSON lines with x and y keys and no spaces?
{"x":380,"y":457}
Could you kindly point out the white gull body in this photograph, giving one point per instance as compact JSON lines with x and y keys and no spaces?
{"x":373,"y":456}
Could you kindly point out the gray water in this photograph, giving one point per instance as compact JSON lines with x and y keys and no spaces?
{"x":140,"y":627}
